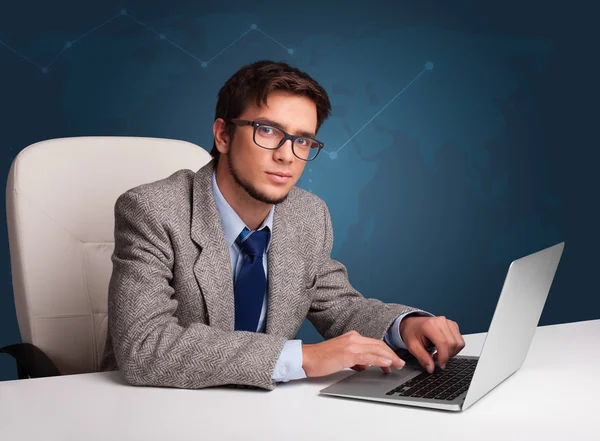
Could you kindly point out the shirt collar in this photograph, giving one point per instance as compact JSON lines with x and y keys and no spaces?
{"x":232,"y":223}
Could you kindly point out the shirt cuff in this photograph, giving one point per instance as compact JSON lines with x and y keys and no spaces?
{"x":392,"y":337}
{"x":289,"y":364}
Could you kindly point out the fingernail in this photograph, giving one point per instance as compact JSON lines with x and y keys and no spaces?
{"x":387,"y":361}
{"x":430,"y":368}
{"x":443,"y":366}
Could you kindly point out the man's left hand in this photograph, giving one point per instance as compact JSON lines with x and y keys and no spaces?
{"x":418,"y":332}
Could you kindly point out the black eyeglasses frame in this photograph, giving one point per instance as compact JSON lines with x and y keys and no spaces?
{"x":286,"y":136}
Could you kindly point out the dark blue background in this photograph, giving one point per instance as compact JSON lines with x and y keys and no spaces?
{"x":462,"y":136}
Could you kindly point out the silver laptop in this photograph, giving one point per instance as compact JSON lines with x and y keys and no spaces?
{"x":466,"y":378}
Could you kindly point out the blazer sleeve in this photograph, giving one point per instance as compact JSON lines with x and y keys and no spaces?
{"x":151,"y":348}
{"x":337,"y":307}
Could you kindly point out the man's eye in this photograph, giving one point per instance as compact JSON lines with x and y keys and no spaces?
{"x":269,"y":131}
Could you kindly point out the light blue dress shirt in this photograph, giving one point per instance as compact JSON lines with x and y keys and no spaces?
{"x":289,"y":364}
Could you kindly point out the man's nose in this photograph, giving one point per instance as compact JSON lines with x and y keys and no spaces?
{"x":285,"y":152}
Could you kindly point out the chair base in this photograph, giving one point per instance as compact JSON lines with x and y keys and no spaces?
{"x":32,"y":362}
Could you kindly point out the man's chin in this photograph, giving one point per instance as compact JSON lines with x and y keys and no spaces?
{"x":272,"y":198}
{"x":267,"y":194}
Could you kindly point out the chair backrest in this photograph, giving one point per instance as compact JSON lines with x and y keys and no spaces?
{"x":60,"y":198}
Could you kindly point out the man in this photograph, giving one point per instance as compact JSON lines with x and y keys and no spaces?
{"x":215,"y":271}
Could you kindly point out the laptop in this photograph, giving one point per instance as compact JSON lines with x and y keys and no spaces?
{"x":468,"y":378}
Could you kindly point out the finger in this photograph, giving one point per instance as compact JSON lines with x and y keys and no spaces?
{"x":380,"y":348}
{"x":431,"y":334}
{"x":459,"y":338}
{"x":416,"y":348}
{"x":435,"y":333}
{"x":383,"y":350}
{"x":373,"y":360}
{"x":460,"y":341}
{"x":359,"y":367}
{"x":387,"y":370}
{"x":362,"y":367}
{"x":450,"y":343}
{"x":398,"y":363}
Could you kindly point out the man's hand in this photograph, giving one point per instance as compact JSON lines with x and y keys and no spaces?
{"x":418,"y":332}
{"x":349,"y":350}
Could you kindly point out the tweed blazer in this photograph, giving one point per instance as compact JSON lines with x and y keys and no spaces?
{"x":171,"y":297}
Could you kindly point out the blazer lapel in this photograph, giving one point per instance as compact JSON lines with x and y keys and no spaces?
{"x":213,"y":266}
{"x":279,"y":275}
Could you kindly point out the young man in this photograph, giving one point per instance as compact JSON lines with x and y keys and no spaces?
{"x":215,"y":271}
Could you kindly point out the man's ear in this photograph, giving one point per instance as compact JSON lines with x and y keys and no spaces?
{"x":221,"y":135}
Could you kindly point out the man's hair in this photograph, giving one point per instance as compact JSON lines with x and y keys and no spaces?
{"x":255,"y":81}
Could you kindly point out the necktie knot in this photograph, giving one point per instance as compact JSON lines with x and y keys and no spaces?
{"x":252,"y":242}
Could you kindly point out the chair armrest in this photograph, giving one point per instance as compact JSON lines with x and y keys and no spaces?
{"x":31,"y":361}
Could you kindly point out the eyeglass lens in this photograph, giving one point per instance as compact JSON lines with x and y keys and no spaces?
{"x":270,"y":137}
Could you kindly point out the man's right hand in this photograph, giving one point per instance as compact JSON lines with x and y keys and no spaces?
{"x":349,"y":350}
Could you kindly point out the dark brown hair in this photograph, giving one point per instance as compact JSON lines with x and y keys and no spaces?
{"x":256,"y":81}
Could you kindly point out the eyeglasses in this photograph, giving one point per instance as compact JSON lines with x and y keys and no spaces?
{"x":271,"y":138}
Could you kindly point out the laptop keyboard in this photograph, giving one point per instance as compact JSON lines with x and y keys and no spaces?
{"x":442,"y":384}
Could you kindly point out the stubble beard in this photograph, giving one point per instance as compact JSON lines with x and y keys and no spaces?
{"x":250,"y":189}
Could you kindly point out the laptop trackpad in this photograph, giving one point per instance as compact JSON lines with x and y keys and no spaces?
{"x":373,"y":381}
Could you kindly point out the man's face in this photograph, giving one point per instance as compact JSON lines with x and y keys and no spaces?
{"x":253,"y":167}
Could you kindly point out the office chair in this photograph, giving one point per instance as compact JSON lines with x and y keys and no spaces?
{"x":60,"y":198}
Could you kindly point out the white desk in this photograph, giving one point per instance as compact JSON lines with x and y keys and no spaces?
{"x":554,"y":396}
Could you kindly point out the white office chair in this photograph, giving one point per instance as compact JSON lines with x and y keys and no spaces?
{"x":60,"y":199}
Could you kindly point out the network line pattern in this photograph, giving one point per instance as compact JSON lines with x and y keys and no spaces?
{"x":123,"y":12}
{"x":204,"y":63}
{"x":334,"y":153}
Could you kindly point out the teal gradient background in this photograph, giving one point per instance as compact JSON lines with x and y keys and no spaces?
{"x":462,"y":135}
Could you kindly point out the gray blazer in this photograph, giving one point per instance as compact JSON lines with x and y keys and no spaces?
{"x":170,"y":300}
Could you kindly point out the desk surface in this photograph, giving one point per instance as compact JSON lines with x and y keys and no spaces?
{"x":554,"y":396}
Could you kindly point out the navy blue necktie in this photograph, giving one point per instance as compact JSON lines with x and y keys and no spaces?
{"x":251,"y":283}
